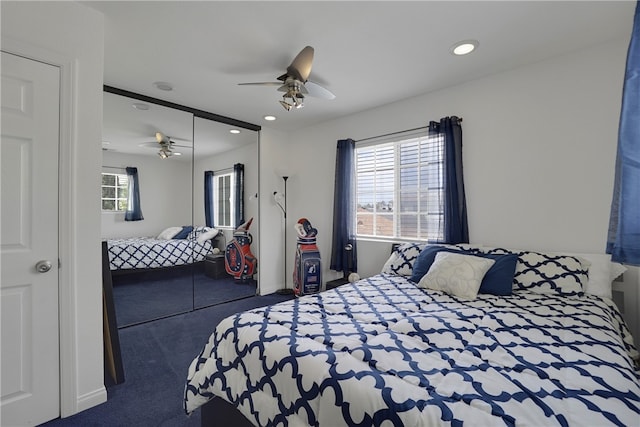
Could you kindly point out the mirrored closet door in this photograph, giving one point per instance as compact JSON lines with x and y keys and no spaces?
{"x":163,"y":264}
{"x":228,"y":155}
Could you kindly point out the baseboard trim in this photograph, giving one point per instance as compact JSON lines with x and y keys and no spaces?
{"x":91,"y":399}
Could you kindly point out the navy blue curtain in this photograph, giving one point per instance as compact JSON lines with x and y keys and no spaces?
{"x":344,"y":203}
{"x":238,"y":188}
{"x":208,"y":199}
{"x":134,"y":211}
{"x":623,"y":242}
{"x":456,"y":229}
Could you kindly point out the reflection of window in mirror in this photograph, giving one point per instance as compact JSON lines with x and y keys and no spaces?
{"x":114,"y":192}
{"x":224,"y":200}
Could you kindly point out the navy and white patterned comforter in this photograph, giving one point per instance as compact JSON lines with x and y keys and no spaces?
{"x":149,"y":252}
{"x":384,"y":352}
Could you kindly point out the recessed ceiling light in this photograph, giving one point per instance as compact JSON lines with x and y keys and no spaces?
{"x":464,"y":47}
{"x":234,"y":131}
{"x":269,"y":118}
{"x":140,"y":106}
{"x":175,"y":153}
{"x":168,"y":87}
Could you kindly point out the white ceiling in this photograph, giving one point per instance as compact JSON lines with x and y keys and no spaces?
{"x":368,"y":53}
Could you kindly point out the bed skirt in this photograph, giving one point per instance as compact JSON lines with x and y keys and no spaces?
{"x":220,"y":413}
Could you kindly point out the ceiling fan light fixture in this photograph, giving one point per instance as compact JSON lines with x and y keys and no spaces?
{"x":286,"y":105}
{"x":165,"y":153}
{"x":464,"y":47}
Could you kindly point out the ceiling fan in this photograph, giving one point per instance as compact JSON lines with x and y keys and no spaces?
{"x":295,"y":82}
{"x":166,"y":145}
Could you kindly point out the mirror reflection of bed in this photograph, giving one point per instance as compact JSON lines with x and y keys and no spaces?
{"x":167,"y":264}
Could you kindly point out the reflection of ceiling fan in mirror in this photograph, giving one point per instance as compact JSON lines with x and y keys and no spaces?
{"x":295,"y":84}
{"x":166,"y":144}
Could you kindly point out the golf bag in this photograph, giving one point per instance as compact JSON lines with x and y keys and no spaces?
{"x":307,"y":273}
{"x":239,"y":262}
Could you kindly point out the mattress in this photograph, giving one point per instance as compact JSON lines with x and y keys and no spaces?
{"x":148,"y":252}
{"x":383,"y":351}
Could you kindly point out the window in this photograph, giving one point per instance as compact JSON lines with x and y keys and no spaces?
{"x":399,"y":188}
{"x":114,"y":192}
{"x":224,"y":200}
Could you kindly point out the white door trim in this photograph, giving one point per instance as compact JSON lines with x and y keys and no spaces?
{"x":70,"y":401}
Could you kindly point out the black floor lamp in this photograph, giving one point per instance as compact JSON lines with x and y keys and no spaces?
{"x":283,"y":207}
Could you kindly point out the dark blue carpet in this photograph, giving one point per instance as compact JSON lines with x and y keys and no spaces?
{"x":140,"y":297}
{"x":156,"y":357}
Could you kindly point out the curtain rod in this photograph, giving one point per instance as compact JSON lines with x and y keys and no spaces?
{"x":396,"y":133}
{"x":114,"y":167}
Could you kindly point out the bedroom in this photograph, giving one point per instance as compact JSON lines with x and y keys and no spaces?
{"x":502,"y":201}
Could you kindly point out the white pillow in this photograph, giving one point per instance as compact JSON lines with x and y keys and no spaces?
{"x":169,"y":233}
{"x":456,"y":274}
{"x":602,"y":271}
{"x":207,"y":235}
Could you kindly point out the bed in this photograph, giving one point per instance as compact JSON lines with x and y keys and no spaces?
{"x":412,"y":347}
{"x":174,"y":246}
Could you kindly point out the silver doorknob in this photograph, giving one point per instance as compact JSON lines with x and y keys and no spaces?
{"x":43,"y":266}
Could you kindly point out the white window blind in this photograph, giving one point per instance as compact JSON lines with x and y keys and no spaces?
{"x":399,"y":187}
{"x":224,"y":200}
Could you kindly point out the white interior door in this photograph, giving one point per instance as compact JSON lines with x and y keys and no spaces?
{"x":30,"y":372}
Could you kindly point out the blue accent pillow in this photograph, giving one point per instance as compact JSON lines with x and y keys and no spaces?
{"x":184,"y":233}
{"x":499,"y":278}
{"x":425,"y":259}
{"x":497,"y":281}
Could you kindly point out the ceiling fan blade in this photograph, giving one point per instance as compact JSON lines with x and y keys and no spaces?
{"x":173,"y":140}
{"x":261,"y":84}
{"x":154,"y":144}
{"x":161,"y":138}
{"x":300,"y":68}
{"x":315,"y":90}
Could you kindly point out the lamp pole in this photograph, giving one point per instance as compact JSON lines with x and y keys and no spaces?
{"x":285,"y":290}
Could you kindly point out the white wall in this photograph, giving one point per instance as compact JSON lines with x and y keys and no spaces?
{"x":275,"y":162}
{"x":539,"y":155}
{"x":165,"y":195}
{"x":71,"y":36}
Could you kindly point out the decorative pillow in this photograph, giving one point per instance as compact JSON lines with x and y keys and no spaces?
{"x":425,"y":259}
{"x":547,"y":273}
{"x":497,"y":281}
{"x":169,"y":233}
{"x":456,"y":274}
{"x":196,"y":231}
{"x":402,"y":259}
{"x":184,"y":232}
{"x":207,"y":235}
{"x":499,"y":278}
{"x":602,"y":271}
